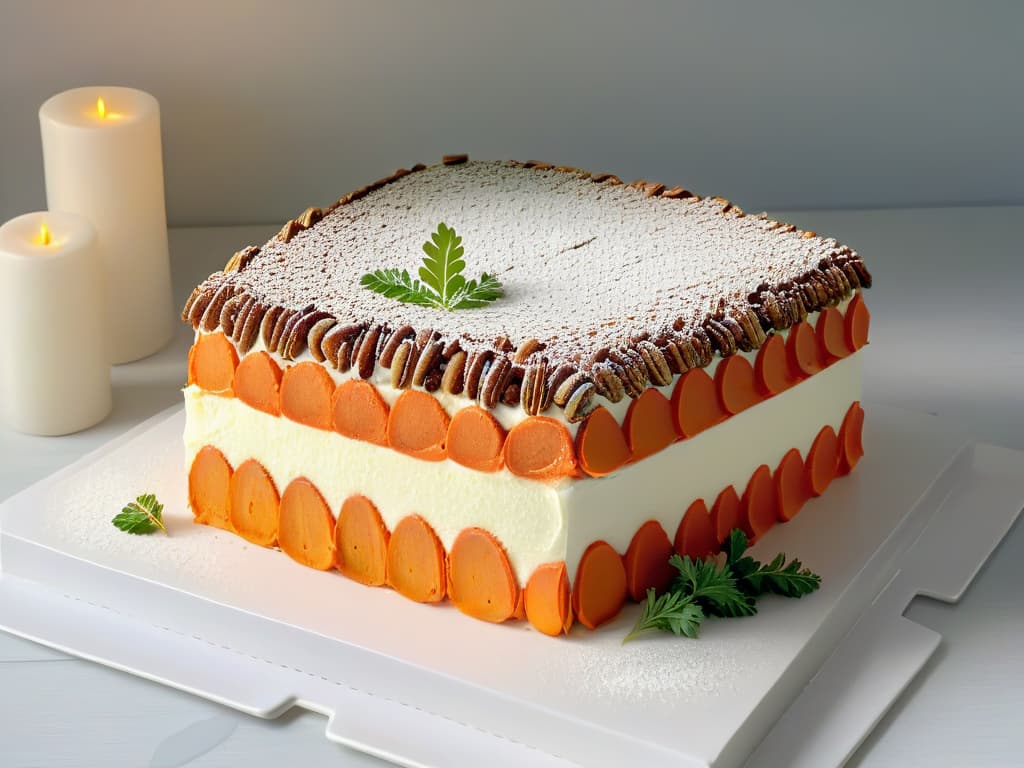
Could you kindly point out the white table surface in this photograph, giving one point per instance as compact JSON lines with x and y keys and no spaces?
{"x":948,"y":338}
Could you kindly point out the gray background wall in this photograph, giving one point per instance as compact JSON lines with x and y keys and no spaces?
{"x":272,"y":106}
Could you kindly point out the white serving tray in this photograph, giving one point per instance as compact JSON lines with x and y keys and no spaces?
{"x":203,"y":611}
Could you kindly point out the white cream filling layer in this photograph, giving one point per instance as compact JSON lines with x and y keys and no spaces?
{"x":536,"y":522}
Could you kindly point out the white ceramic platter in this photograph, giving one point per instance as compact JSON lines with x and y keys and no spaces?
{"x":204,"y":611}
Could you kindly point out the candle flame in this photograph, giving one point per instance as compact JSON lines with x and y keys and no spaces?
{"x":101,"y":107}
{"x":44,"y":234}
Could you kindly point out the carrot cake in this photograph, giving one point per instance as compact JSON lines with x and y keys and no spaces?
{"x":632,"y":370}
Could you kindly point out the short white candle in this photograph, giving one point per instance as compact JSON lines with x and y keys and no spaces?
{"x":54,"y":359}
{"x":101,"y":149}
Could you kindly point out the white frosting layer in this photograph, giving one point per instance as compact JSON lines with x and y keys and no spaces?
{"x":662,"y":486}
{"x":536,"y":522}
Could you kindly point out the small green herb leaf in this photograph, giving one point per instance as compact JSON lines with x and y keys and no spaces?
{"x":787,"y":579}
{"x":142,"y":516}
{"x":735,"y":546}
{"x":442,"y":269}
{"x":671,"y":612}
{"x":399,"y":285}
{"x":742,"y":565}
{"x":754,"y":578}
{"x":443,"y":285}
{"x":474,"y":295}
{"x":729,"y":589}
{"x":715,"y":585}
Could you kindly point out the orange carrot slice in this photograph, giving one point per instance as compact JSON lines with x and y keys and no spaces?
{"x":208,"y":482}
{"x":791,"y":487}
{"x":851,"y":445}
{"x":258,"y":383}
{"x":361,"y":542}
{"x":802,"y":350}
{"x":360,"y":412}
{"x":519,"y":612}
{"x":725,"y":514}
{"x":771,"y":368}
{"x":695,"y":405}
{"x":831,"y":333}
{"x":306,"y":527}
{"x":734,"y":380}
{"x":254,"y":504}
{"x":212,"y":363}
{"x":418,"y":426}
{"x":540,"y":448}
{"x":480,"y":579}
{"x":416,"y":561}
{"x":759,"y":507}
{"x":648,"y":424}
{"x":600,"y":588}
{"x":547,"y":601}
{"x":822,"y":461}
{"x":646,"y":561}
{"x":476,"y":439}
{"x":696,"y":535}
{"x":306,"y":391}
{"x":858,"y":321}
{"x":600,"y":444}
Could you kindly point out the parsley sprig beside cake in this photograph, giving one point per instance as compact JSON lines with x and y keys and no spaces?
{"x":142,"y":516}
{"x":726,"y":587}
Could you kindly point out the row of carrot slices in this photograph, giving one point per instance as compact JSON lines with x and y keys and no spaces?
{"x":538,"y":447}
{"x":475,"y":573}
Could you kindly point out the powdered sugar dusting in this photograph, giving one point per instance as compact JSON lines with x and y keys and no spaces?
{"x":656,"y":667}
{"x":84,"y":526}
{"x":585,"y":265}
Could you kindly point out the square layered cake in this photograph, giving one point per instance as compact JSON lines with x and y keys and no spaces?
{"x":647,"y":370}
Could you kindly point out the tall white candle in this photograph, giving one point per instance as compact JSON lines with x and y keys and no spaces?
{"x":54,"y":360}
{"x":101,"y":149}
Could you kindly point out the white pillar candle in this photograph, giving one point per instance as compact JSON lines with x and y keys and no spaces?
{"x":101,"y":149}
{"x":54,"y":360}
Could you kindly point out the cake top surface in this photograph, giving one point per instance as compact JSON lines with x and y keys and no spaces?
{"x":587,"y":264}
{"x":583,"y":265}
